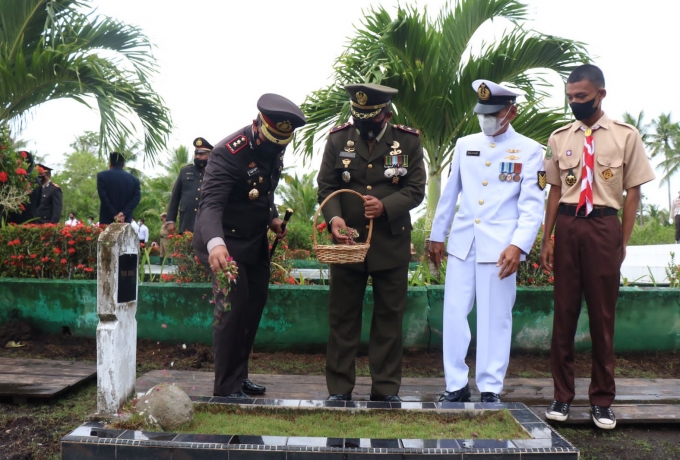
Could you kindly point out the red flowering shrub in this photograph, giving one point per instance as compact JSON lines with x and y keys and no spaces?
{"x":189,"y":269}
{"x":15,"y":182}
{"x":48,"y":251}
{"x":530,"y":272}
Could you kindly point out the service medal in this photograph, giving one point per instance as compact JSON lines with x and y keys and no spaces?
{"x":253,"y":194}
{"x":346,"y":177}
{"x":508,"y":178}
{"x":502,"y":176}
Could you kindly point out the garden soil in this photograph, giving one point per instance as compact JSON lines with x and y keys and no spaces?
{"x":32,"y":430}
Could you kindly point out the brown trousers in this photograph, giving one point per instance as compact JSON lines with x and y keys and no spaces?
{"x":588,"y":256}
{"x":390,"y":289}
{"x":677,"y":227}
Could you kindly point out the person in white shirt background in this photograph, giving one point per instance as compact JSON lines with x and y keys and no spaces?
{"x":143,"y":232}
{"x":675,"y":217}
{"x":72,"y":221}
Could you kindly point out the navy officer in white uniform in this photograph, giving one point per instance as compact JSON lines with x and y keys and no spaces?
{"x":497,"y":174}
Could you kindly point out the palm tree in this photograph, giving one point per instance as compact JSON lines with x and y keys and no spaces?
{"x":638,"y":123}
{"x":300,"y":194}
{"x":664,"y":142}
{"x":51,"y":49}
{"x":179,"y":158}
{"x":433,"y":64}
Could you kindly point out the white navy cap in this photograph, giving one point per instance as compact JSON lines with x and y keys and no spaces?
{"x":492,"y":97}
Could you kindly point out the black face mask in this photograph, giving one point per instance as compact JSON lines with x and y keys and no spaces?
{"x":269,"y":148}
{"x":583,"y":110}
{"x":368,"y":129}
{"x":200,"y":163}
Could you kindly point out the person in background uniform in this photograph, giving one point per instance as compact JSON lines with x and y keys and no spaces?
{"x":497,"y":175}
{"x":235,"y":212}
{"x":51,"y":198}
{"x":187,"y":190}
{"x":384,"y":163}
{"x":118,"y":191}
{"x":31,"y":204}
{"x":675,"y":215}
{"x":589,"y":164}
{"x":143,"y":232}
{"x":165,"y":233}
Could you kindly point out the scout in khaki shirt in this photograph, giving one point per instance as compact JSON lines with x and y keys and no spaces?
{"x":589,"y":164}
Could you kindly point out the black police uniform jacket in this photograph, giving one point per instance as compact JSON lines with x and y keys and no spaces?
{"x":50,"y":200}
{"x":185,"y":197}
{"x":391,"y":238}
{"x":118,"y":192}
{"x":226,"y":210}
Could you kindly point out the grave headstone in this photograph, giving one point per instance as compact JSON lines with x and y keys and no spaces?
{"x":117,"y":265}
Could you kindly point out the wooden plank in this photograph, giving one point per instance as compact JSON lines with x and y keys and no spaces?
{"x":531,"y":391}
{"x":625,"y":414}
{"x":41,"y":378}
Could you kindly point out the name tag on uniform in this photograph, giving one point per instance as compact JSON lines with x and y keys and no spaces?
{"x":348,"y":154}
{"x":472,"y":153}
{"x":253,"y":171}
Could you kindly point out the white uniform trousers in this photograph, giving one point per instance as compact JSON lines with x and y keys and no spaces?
{"x":465,"y":280}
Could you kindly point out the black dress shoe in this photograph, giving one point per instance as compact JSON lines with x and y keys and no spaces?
{"x":339,"y":397}
{"x":388,"y":398}
{"x":462,"y":395}
{"x":488,"y":397}
{"x":251,"y":388}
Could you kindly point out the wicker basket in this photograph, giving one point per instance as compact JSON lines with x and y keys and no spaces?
{"x":341,"y":253}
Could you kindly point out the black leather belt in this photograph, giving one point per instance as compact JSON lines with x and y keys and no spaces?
{"x":570,"y":210}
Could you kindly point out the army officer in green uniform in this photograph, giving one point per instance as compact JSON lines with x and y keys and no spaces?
{"x":187,"y":190}
{"x":383,"y":162}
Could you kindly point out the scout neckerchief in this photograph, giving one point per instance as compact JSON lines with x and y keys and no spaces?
{"x":586,"y":197}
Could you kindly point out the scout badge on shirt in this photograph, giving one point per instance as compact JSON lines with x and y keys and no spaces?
{"x":548,"y":153}
{"x":395,"y":165}
{"x":571,"y":178}
{"x":607,"y":174}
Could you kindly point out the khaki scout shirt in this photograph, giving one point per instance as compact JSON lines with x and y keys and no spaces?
{"x":619,"y":155}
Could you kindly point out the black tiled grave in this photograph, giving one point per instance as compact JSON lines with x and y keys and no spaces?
{"x":93,"y":441}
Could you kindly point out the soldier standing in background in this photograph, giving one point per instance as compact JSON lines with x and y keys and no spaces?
{"x":187,"y":190}
{"x":50,"y":199}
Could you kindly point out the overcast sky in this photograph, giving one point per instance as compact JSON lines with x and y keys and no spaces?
{"x":217,"y":57}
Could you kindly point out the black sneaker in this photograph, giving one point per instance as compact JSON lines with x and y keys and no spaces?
{"x":488,"y":397}
{"x":603,"y":417}
{"x":462,"y":395}
{"x":557,"y":411}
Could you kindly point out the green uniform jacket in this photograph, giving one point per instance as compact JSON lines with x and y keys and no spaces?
{"x":391,"y":239}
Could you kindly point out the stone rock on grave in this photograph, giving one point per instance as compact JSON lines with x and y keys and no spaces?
{"x":165,"y":405}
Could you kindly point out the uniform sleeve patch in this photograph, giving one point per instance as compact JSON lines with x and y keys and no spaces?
{"x":542,"y":180}
{"x":340,"y":127}
{"x":408,"y":129}
{"x":237,"y":143}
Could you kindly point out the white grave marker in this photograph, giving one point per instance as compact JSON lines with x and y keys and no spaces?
{"x":117,"y":265}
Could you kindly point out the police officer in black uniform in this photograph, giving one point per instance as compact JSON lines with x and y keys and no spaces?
{"x":187,"y":190}
{"x":50,"y":199}
{"x":235,"y":212}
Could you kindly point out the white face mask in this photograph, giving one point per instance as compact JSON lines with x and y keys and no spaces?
{"x":490,"y":124}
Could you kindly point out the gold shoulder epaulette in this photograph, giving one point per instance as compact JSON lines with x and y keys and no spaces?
{"x":408,"y":129}
{"x":340,"y":127}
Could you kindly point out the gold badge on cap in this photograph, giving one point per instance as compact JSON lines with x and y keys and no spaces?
{"x":483,"y":92}
{"x":284,"y":126}
{"x":199,"y":142}
{"x":253,"y":194}
{"x":362,"y":99}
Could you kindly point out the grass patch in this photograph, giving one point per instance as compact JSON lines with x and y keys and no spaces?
{"x":380,"y":424}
